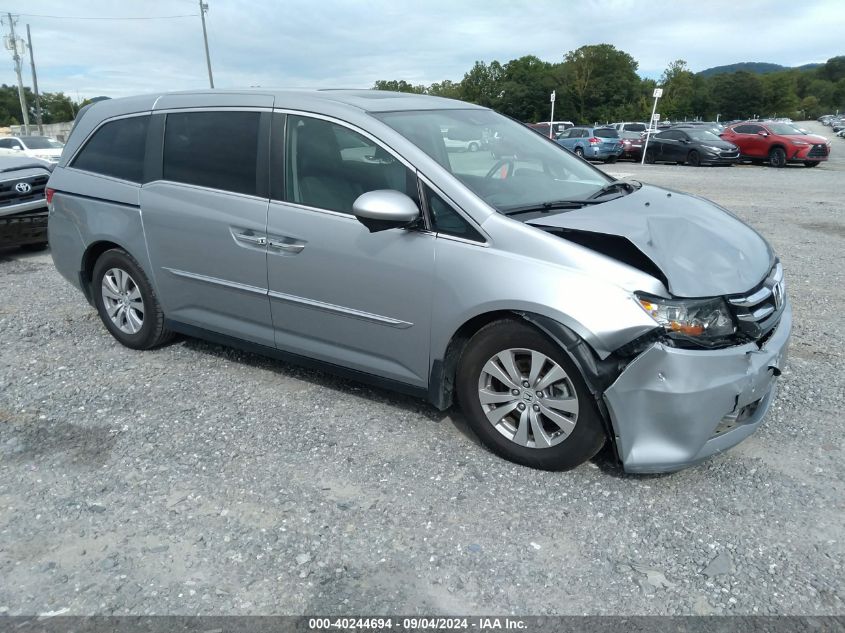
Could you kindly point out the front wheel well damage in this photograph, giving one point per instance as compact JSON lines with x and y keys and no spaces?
{"x":598,"y":373}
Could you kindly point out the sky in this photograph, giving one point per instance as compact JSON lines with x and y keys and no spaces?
{"x":352,"y":43}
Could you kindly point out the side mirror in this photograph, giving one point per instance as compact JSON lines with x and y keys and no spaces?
{"x":16,"y":148}
{"x":761,"y":133}
{"x":385,"y":209}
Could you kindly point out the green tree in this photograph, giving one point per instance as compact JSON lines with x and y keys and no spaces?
{"x":602,"y":82}
{"x":678,"y":91}
{"x":398,"y":86}
{"x":483,"y":83}
{"x":56,"y":107}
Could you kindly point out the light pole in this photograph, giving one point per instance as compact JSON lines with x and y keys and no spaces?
{"x":12,"y":45}
{"x":552,"y":117}
{"x":203,"y":10}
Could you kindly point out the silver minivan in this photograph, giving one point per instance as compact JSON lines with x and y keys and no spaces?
{"x":561,"y":308}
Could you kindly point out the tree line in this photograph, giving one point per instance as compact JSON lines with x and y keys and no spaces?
{"x":56,"y":107}
{"x":599,"y":83}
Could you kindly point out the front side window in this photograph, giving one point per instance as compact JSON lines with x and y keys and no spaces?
{"x":514,"y":166}
{"x":116,"y":149}
{"x":329,"y":166}
{"x":212,"y":149}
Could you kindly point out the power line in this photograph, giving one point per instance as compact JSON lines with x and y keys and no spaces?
{"x":81,"y":17}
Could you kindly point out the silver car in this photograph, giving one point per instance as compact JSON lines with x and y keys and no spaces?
{"x":559,"y":307}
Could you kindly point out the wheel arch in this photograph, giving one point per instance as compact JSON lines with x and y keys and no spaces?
{"x":89,"y":259}
{"x":598,"y":373}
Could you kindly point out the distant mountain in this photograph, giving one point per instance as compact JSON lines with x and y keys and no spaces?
{"x":761,"y":68}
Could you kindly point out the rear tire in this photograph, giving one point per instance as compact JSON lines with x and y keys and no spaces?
{"x":519,"y":422}
{"x":473,"y":146}
{"x":777,"y":158}
{"x":126,"y":301}
{"x":579,"y":152}
{"x":610,"y":160}
{"x":649,"y":157}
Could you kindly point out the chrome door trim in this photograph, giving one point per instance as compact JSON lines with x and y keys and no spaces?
{"x":336,"y":309}
{"x":217,"y":281}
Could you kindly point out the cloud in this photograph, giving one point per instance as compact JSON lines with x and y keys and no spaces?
{"x":343,"y":43}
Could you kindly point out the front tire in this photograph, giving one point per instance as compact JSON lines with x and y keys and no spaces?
{"x":777,"y":158}
{"x":526,"y":400}
{"x":649,"y":157}
{"x":694,"y":159}
{"x":811,"y":163}
{"x":126,"y":301}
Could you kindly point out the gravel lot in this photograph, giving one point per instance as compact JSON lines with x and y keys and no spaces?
{"x":200,"y":480}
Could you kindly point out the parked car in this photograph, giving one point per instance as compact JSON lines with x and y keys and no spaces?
{"x":632,"y":135}
{"x":462,"y":139}
{"x":601,"y":144}
{"x":41,"y":147}
{"x":556,"y":127}
{"x":691,"y":146}
{"x":779,"y":143}
{"x":23,"y":207}
{"x":563,"y":308}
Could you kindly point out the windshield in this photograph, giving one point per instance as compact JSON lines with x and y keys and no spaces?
{"x":41,"y":142}
{"x":508,"y":165}
{"x":702,"y":135}
{"x":784,"y":130}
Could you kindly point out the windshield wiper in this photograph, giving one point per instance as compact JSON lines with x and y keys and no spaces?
{"x":545,"y":207}
{"x":616,"y":185}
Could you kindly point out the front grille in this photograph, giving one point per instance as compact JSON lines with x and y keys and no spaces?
{"x":9,"y":195}
{"x":820,"y":149}
{"x":758,"y":312}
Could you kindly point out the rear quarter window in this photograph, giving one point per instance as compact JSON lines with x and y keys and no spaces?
{"x":116,"y":149}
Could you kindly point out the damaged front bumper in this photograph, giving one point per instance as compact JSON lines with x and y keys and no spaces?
{"x":671,"y":408}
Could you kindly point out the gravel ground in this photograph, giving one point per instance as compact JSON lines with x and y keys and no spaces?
{"x":195,"y":479}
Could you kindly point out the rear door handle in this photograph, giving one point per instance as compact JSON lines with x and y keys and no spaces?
{"x":257,"y":240}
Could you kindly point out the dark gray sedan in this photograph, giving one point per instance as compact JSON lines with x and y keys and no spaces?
{"x":694,"y":147}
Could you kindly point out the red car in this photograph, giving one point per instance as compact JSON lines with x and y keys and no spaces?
{"x":779,"y":143}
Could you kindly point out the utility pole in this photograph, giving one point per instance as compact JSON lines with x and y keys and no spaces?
{"x":203,"y":10}
{"x":652,"y":124}
{"x":34,"y":83}
{"x":12,"y":45}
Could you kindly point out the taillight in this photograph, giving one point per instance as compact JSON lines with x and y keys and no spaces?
{"x":593,"y":141}
{"x":49,"y":194}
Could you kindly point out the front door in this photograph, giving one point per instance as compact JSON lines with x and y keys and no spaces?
{"x":339,"y":293}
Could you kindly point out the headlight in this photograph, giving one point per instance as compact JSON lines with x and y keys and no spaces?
{"x":800,"y":143}
{"x":712,"y":149}
{"x":694,"y":318}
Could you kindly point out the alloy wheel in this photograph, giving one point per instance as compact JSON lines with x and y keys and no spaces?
{"x":122,"y":300}
{"x":528,"y":398}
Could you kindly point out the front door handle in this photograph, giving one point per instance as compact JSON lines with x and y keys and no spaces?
{"x":287,"y":247}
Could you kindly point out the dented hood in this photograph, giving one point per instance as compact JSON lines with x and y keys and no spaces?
{"x":701,"y":249}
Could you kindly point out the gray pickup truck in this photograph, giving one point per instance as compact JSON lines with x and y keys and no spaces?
{"x":23,"y":206}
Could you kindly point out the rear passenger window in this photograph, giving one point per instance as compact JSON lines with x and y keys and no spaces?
{"x":116,"y":149}
{"x":212,"y":149}
{"x":329,"y":166}
{"x":446,"y":220}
